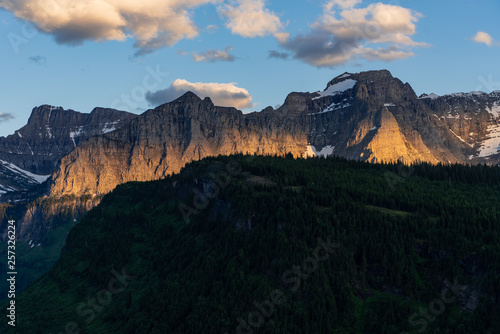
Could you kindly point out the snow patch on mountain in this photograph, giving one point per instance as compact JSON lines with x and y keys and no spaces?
{"x":332,"y":107}
{"x":36,"y":178}
{"x":491,"y":145}
{"x":431,"y":96}
{"x":337,"y":88}
{"x":494,"y":109}
{"x":48,"y":132}
{"x":108,"y":127}
{"x":470,"y":94}
{"x":75,"y":134}
{"x":343,"y":76}
{"x":313,"y":152}
{"x":461,"y":139}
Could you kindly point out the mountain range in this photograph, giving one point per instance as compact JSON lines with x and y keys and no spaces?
{"x":33,"y":152}
{"x":369,"y":116}
{"x":61,"y":164}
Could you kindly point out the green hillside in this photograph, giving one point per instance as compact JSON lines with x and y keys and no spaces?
{"x":275,"y":245}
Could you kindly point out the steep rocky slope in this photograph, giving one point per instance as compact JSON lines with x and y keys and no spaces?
{"x":161,"y":141}
{"x":32,"y":153}
{"x":370,"y":116}
{"x":52,"y":132}
{"x":378,"y":119}
{"x":15,"y":179}
{"x":472,"y":119}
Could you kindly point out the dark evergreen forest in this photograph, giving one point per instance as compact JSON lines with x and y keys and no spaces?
{"x":246,"y":244}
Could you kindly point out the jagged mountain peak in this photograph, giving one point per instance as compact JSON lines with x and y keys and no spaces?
{"x":343,"y":76}
{"x":374,"y":75}
{"x":369,"y":115}
{"x":102,"y":110}
{"x":188,"y":96}
{"x":189,"y":105}
{"x":461,"y":95}
{"x":52,"y":132}
{"x":44,"y":112}
{"x":431,"y":96}
{"x":180,"y":105}
{"x":374,"y":117}
{"x":46,"y":119}
{"x":362,"y":77}
{"x":44,"y":107}
{"x":376,"y":88}
{"x":378,"y":78}
{"x":466,"y":95}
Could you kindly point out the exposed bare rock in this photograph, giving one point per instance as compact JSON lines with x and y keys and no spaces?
{"x":369,"y":116}
{"x":52,"y":132}
{"x":48,"y":213}
{"x":163,"y":140}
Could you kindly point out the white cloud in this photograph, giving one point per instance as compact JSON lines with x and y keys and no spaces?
{"x":211,"y":27}
{"x":222,"y":94}
{"x":343,"y":4}
{"x":483,"y":37}
{"x":153,"y":23}
{"x":212,"y":55}
{"x":346,"y":32}
{"x":250,"y":18}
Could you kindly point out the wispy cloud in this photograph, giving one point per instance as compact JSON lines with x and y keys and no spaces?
{"x":5,"y":117}
{"x":484,"y":37}
{"x":211,"y":27}
{"x":346,"y":32}
{"x":214,"y":55}
{"x":278,"y":55}
{"x":39,"y":60}
{"x":222,"y":94}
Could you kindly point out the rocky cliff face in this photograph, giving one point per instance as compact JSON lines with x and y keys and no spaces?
{"x":53,"y":132}
{"x":48,"y":213}
{"x":369,"y":116}
{"x":470,"y":122}
{"x":163,"y":140}
{"x":31,"y":154}
{"x":15,"y":179}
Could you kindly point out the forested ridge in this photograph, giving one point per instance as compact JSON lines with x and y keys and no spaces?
{"x":244,"y":244}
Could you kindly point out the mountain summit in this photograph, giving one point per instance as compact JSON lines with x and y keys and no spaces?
{"x":52,"y":132}
{"x":369,"y":116}
{"x":33,"y":152}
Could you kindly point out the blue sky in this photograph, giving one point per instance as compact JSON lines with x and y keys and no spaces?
{"x":133,"y":55}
